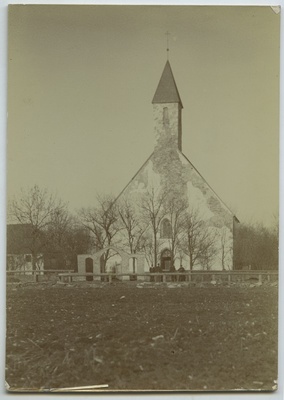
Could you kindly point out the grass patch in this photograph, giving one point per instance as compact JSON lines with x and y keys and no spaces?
{"x":155,"y":338}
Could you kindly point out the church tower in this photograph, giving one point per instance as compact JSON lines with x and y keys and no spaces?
{"x":167,"y":107}
{"x":168,"y":176}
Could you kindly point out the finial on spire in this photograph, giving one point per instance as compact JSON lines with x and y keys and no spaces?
{"x":168,"y":49}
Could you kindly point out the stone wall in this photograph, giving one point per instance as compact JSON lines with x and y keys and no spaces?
{"x":125,"y":265}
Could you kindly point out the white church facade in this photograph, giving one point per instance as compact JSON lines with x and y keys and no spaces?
{"x":186,"y":223}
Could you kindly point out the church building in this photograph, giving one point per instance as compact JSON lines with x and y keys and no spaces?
{"x":195,"y":218}
{"x":183,"y":221}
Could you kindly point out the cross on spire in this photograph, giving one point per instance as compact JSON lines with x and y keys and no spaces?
{"x":168,"y":49}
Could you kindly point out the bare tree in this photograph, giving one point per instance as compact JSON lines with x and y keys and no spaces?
{"x":103,"y":222}
{"x":176,"y":212}
{"x":38,"y":209}
{"x":66,"y":238}
{"x":147,"y":245}
{"x":58,"y":228}
{"x":153,"y":211}
{"x":133,"y":227}
{"x":208,"y":249}
{"x":198,"y":241}
{"x":256,"y":245}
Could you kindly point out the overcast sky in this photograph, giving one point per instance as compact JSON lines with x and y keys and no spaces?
{"x":82,"y":78}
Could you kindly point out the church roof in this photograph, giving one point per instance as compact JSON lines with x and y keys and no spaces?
{"x":167,"y":91}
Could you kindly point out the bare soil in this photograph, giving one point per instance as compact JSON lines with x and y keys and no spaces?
{"x":153,"y":337}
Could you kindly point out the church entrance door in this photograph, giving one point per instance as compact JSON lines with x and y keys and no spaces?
{"x":166,"y":260}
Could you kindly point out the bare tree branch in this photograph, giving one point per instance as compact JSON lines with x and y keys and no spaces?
{"x":198,"y":241}
{"x":132,"y":223}
{"x":39,"y":209}
{"x":153,"y":211}
{"x":103,"y":222}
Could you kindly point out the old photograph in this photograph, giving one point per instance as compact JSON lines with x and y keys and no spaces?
{"x":142,"y":198}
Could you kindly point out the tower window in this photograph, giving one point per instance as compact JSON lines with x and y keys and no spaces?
{"x":166,"y":229}
{"x":165,"y":116}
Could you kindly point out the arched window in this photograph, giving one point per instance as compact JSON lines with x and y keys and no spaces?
{"x":166,"y":229}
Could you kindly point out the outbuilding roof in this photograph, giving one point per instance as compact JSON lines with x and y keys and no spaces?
{"x":19,"y":238}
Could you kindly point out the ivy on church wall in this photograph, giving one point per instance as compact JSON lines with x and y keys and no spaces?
{"x":165,"y":158}
{"x":176,"y":171}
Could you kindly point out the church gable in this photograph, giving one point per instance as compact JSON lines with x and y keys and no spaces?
{"x":198,"y":188}
{"x":168,"y":170}
{"x":145,"y":178}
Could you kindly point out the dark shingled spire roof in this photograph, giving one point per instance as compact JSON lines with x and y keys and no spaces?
{"x":167,"y":89}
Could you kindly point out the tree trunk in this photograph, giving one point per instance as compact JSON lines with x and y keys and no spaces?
{"x":34,"y":262}
{"x":190,"y":262}
{"x":155,"y":249}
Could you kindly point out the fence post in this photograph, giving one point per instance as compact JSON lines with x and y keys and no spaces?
{"x":110,"y":278}
{"x":229,"y":278}
{"x":36,"y":276}
{"x":260,"y":278}
{"x":268,"y":277}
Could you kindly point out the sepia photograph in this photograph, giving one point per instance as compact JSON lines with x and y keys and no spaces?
{"x":142,"y":198}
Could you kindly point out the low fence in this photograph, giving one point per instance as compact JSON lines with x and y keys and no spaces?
{"x":188,"y":276}
{"x":35,"y":276}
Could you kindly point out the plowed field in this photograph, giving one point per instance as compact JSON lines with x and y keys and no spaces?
{"x":150,"y":338}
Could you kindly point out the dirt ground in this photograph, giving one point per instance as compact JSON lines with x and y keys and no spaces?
{"x":150,"y":337}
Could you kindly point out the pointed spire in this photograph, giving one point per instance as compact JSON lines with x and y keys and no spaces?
{"x":167,"y":89}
